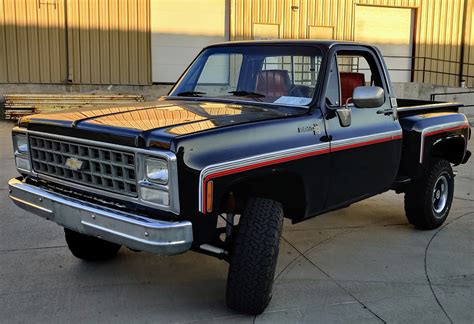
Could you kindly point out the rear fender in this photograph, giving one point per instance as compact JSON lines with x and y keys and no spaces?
{"x":447,"y":141}
{"x":433,"y":135}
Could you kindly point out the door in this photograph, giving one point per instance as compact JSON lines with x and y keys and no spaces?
{"x":364,"y":155}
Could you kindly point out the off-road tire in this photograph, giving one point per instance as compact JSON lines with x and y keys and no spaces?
{"x":254,"y":256}
{"x":420,"y":197}
{"x":89,"y":248}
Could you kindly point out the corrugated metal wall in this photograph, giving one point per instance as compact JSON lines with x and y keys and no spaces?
{"x":438,"y":28}
{"x":78,"y":41}
{"x":468,"y":68}
{"x":109,"y":41}
{"x":32,"y":41}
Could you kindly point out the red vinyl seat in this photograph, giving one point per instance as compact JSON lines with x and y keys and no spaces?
{"x":273,"y":83}
{"x":350,"y":81}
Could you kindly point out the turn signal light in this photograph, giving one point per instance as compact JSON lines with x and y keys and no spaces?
{"x":209,"y":195}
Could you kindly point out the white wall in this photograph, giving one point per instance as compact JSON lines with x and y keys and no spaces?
{"x":180,"y":29}
{"x":391,"y":29}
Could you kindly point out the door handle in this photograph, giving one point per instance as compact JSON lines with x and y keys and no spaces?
{"x":386,"y":112}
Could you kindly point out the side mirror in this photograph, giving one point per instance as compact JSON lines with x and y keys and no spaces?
{"x":368,"y":97}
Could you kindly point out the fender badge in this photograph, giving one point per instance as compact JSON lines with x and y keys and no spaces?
{"x":315,"y":128}
{"x":74,"y":164}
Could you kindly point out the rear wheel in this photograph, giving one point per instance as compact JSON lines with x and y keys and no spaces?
{"x":89,"y":248}
{"x":254,"y":255}
{"x":428,"y":201}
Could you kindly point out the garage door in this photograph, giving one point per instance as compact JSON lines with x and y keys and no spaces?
{"x":180,"y":29}
{"x":391,"y":29}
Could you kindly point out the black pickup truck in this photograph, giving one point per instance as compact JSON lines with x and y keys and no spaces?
{"x":251,"y":133}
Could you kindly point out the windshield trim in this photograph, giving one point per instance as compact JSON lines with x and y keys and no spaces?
{"x":238,"y":101}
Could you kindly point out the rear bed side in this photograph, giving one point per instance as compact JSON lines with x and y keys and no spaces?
{"x":430,"y":131}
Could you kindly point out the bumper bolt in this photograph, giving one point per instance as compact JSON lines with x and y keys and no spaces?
{"x":93,"y":216}
{"x":146,"y":234}
{"x":40,"y":199}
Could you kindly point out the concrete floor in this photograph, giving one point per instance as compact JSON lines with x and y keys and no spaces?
{"x":364,"y":263}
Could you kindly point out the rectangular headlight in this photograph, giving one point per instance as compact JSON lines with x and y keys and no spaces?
{"x":23,"y":163}
{"x":20,"y":148}
{"x":155,"y":196}
{"x":20,"y":144}
{"x":156,"y":170}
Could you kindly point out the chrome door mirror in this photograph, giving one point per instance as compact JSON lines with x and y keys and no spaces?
{"x":368,"y":97}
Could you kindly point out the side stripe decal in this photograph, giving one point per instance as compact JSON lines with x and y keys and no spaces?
{"x":231,"y":167}
{"x":438,"y":129}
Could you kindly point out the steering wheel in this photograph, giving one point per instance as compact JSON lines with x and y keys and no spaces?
{"x":301,"y":91}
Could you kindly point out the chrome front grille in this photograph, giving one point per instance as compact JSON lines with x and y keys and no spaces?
{"x":87,"y":165}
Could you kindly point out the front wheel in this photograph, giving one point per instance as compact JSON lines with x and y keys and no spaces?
{"x":428,"y":200}
{"x":254,"y":255}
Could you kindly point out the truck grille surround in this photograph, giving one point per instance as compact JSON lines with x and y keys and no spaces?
{"x":97,"y":167}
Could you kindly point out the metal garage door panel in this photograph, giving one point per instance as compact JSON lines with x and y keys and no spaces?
{"x":391,"y":29}
{"x":109,"y":41}
{"x":32,"y":41}
{"x":174,"y":45}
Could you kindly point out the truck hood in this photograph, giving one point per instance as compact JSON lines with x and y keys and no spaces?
{"x":151,"y":124}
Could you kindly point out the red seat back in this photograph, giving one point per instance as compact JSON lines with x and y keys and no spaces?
{"x":273,"y":83}
{"x":350,"y":81}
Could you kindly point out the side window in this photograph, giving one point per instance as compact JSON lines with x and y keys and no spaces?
{"x":333,"y":95}
{"x":357,"y":69}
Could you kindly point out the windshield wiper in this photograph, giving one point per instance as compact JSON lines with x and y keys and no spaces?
{"x":190,"y":94}
{"x":243,"y":93}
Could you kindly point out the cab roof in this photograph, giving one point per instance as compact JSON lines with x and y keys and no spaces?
{"x":311,"y":42}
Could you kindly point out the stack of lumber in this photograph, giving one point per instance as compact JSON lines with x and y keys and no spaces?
{"x":18,"y":105}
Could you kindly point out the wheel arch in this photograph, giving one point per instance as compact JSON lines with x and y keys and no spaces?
{"x":288,"y":188}
{"x":450,"y":148}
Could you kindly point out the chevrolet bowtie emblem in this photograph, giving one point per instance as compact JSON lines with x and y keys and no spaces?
{"x":74,"y":164}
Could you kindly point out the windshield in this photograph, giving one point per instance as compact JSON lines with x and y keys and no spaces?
{"x":284,"y":75}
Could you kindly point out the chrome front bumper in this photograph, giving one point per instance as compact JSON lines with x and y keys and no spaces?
{"x":134,"y":231}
